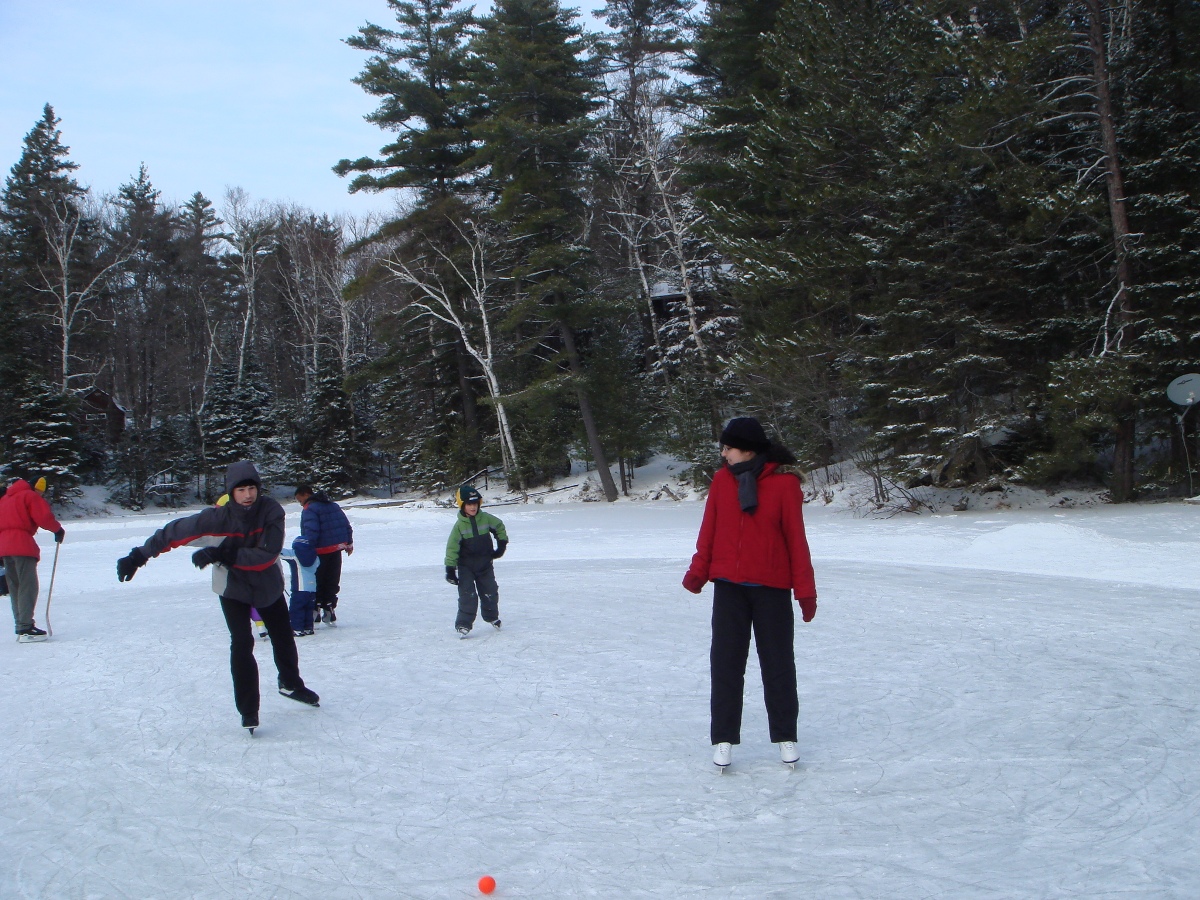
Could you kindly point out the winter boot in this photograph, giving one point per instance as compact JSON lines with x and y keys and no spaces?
{"x":31,"y":635}
{"x":722,"y":755}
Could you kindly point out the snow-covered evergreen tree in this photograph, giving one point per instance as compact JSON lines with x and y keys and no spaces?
{"x":46,"y":442}
{"x":330,"y":454}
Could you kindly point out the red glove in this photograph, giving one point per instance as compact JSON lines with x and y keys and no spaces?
{"x":808,"y":607}
{"x":693,"y":582}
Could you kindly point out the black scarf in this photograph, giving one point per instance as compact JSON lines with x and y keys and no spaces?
{"x":747,"y":474}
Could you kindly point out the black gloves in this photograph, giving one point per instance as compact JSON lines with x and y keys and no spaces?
{"x":223,"y":554}
{"x":59,"y":535}
{"x":128,"y":565}
{"x":451,"y":575}
{"x":501,"y":546}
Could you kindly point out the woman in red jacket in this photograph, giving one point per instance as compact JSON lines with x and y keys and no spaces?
{"x":23,"y":510}
{"x":752,"y":547}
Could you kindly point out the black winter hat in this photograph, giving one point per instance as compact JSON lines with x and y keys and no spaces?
{"x":745,"y":433}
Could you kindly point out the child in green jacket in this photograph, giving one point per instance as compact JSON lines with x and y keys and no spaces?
{"x":469,"y":556}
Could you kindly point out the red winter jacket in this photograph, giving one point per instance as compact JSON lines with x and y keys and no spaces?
{"x":766,"y":547}
{"x":22,"y":511}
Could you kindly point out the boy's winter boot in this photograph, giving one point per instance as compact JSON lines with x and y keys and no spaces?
{"x":31,"y":635}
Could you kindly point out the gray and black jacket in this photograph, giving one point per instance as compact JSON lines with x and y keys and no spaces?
{"x":256,"y":532}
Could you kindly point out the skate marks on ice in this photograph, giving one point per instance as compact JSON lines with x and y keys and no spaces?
{"x":962,"y":733}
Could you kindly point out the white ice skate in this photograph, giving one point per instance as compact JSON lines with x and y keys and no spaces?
{"x":722,"y":756}
{"x":788,"y":753}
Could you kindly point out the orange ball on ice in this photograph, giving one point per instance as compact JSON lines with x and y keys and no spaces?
{"x":487,"y":884}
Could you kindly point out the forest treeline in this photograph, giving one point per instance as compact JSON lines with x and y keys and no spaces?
{"x":953,"y":242}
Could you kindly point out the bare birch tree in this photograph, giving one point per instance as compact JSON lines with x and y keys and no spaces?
{"x":252,"y":227}
{"x":437,"y":297}
{"x":73,"y":288}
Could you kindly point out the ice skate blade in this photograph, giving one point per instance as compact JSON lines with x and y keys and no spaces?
{"x":720,"y":769}
{"x":31,"y":638}
{"x":250,"y":728}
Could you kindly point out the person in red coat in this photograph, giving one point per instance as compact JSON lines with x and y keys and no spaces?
{"x":753,"y":548}
{"x":23,"y":510}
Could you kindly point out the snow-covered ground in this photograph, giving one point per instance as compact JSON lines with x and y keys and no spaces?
{"x":998,"y":704}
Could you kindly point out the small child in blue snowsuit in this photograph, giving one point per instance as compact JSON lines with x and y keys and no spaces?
{"x":302,"y":561}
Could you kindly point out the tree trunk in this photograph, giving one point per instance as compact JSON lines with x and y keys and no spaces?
{"x":585,"y":412}
{"x":1119,"y":313}
{"x":470,"y":410}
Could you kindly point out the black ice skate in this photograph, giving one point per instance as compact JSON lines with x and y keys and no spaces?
{"x":463,"y":631}
{"x":250,"y":722}
{"x":303,"y":694}
{"x":31,"y":635}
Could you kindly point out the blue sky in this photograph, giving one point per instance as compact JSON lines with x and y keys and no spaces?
{"x":255,"y":94}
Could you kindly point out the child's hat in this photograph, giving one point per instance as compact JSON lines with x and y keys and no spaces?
{"x":306,"y":553}
{"x":467,"y":494}
{"x":40,"y":485}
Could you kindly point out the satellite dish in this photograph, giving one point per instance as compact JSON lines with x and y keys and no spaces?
{"x":1184,"y":390}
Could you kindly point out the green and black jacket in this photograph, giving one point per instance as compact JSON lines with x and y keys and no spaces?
{"x":471,"y":538}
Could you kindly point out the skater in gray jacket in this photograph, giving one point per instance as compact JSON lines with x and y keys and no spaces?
{"x":241,"y":540}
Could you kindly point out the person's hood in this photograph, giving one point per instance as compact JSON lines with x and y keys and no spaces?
{"x":19,"y":485}
{"x":306,"y":553}
{"x":239,"y":472}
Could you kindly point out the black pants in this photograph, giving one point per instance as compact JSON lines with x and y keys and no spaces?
{"x":241,"y":650}
{"x":329,"y":580}
{"x":477,"y":590}
{"x":768,"y":611}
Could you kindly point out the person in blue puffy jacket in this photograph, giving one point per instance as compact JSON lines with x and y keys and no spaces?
{"x":325,"y":526}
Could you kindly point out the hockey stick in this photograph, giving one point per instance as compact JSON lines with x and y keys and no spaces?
{"x":50,"y":592}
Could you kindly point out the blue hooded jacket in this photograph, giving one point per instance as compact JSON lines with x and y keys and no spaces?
{"x":325,"y":526}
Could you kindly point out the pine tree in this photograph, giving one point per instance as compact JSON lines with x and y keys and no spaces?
{"x":226,"y":437}
{"x":39,"y":186}
{"x":204,"y":297}
{"x":1156,"y":72}
{"x":47,"y":442}
{"x":419,"y":72}
{"x":330,"y":452}
{"x":538,"y":90}
{"x":146,"y":308}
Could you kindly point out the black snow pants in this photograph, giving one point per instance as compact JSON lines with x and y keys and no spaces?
{"x":738,"y":608}
{"x":477,"y":590}
{"x":329,"y":580}
{"x":241,"y":650}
